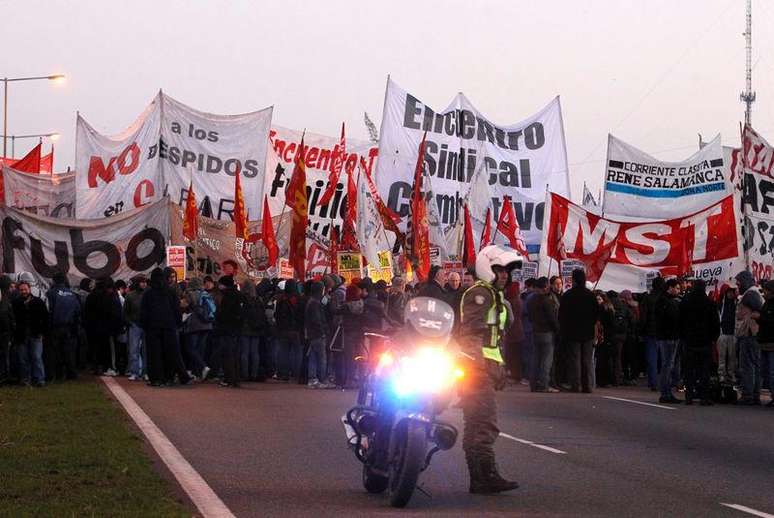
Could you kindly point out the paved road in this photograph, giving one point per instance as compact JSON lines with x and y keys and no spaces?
{"x":279,"y":450}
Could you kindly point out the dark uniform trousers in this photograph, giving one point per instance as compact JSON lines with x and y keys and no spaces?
{"x":479,"y":411}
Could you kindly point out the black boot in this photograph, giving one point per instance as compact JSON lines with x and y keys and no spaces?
{"x":490,"y":481}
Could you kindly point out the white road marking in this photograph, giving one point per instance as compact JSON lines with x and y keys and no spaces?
{"x":202,"y":495}
{"x":748,"y":510}
{"x":640,"y":402}
{"x":533,"y":444}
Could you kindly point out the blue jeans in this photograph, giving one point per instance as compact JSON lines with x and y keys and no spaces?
{"x":543,"y":358}
{"x":31,"y":359}
{"x":289,"y":354}
{"x":318,"y":363}
{"x":527,"y":353}
{"x":248,"y":349}
{"x":136,"y":364}
{"x":195,"y":344}
{"x":668,"y":351}
{"x":651,"y":354}
{"x":750,"y":367}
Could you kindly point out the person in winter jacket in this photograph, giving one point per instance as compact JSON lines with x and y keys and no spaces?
{"x":289,"y":317}
{"x":578,"y":316}
{"x":32,"y":322}
{"x":727,"y":356}
{"x":434,"y":286}
{"x":648,"y":323}
{"x":253,"y":326}
{"x":700,"y":328}
{"x":160,"y":319}
{"x":65,"y":309}
{"x":102,"y":320}
{"x":228,"y":323}
{"x":747,"y":312}
{"x":667,"y":327}
{"x":632,"y":351}
{"x":316,"y":332}
{"x":352,"y":331}
{"x":766,"y":334}
{"x":543,"y":314}
{"x":197,"y":326}
{"x":138,"y":360}
{"x":7,"y":325}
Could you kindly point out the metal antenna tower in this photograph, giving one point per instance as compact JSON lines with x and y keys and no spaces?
{"x":748,"y":96}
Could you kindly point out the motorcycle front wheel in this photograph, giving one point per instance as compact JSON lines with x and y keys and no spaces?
{"x":408,"y":463}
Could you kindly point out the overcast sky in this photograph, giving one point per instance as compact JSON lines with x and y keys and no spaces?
{"x":654,"y":72}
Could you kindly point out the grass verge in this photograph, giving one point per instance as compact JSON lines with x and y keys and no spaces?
{"x":67,"y":450}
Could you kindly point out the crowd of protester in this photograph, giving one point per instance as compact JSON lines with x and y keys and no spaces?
{"x":676,"y":337}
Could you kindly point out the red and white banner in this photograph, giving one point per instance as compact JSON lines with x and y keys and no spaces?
{"x":757,"y":195}
{"x":46,"y":195}
{"x":119,"y":173}
{"x":708,"y":237}
{"x":318,"y":157}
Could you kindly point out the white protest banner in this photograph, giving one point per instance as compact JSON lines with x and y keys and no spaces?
{"x":639,"y":185}
{"x":708,"y":237}
{"x":44,"y":194}
{"x":119,"y":173}
{"x":371,"y":235}
{"x":318,"y":157}
{"x":122,"y":246}
{"x":521,"y":159}
{"x":212,"y":148}
{"x":758,"y":203}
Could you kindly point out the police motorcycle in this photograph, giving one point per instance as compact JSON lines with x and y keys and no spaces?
{"x":408,"y":382}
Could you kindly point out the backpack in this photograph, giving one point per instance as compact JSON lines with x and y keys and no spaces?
{"x":206,"y":307}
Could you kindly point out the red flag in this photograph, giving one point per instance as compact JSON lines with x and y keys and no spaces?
{"x":420,"y":228}
{"x":296,"y":199}
{"x":685,"y":264}
{"x":240,"y":214}
{"x":348,"y":234}
{"x":351,"y":197}
{"x":333,"y":251}
{"x":337,"y":164}
{"x":191,"y":219}
{"x":31,"y":161}
{"x":508,"y":225}
{"x":596,"y":262}
{"x":47,"y":162}
{"x":486,"y":235}
{"x":468,"y":248}
{"x":267,"y":233}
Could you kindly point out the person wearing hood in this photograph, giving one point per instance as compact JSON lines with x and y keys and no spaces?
{"x":102,"y":320}
{"x":700,"y":328}
{"x":254,"y":325}
{"x":65,"y":319}
{"x":7,"y":325}
{"x":197,"y":326}
{"x":228,"y":323}
{"x":727,"y":355}
{"x":316,"y":333}
{"x":766,"y":334}
{"x":289,"y":318}
{"x":160,"y":319}
{"x":747,"y":312}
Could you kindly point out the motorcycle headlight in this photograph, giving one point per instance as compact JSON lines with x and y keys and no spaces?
{"x":429,"y":370}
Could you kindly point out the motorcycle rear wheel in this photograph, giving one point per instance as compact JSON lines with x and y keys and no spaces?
{"x":374,"y":483}
{"x":409,"y":459}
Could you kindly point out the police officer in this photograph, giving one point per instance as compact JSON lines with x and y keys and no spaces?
{"x":484,"y":318}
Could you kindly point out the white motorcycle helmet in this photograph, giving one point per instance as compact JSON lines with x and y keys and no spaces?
{"x":495,"y":255}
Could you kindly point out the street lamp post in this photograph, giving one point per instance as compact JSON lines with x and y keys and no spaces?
{"x":55,"y":77}
{"x":53,"y":136}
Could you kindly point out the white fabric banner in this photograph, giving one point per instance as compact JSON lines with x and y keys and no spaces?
{"x":319,"y":156}
{"x":522,"y":158}
{"x":639,"y":185}
{"x":119,"y":173}
{"x":42,"y":194}
{"x":757,"y":201}
{"x":122,"y":246}
{"x":211,"y":148}
{"x":371,"y":235}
